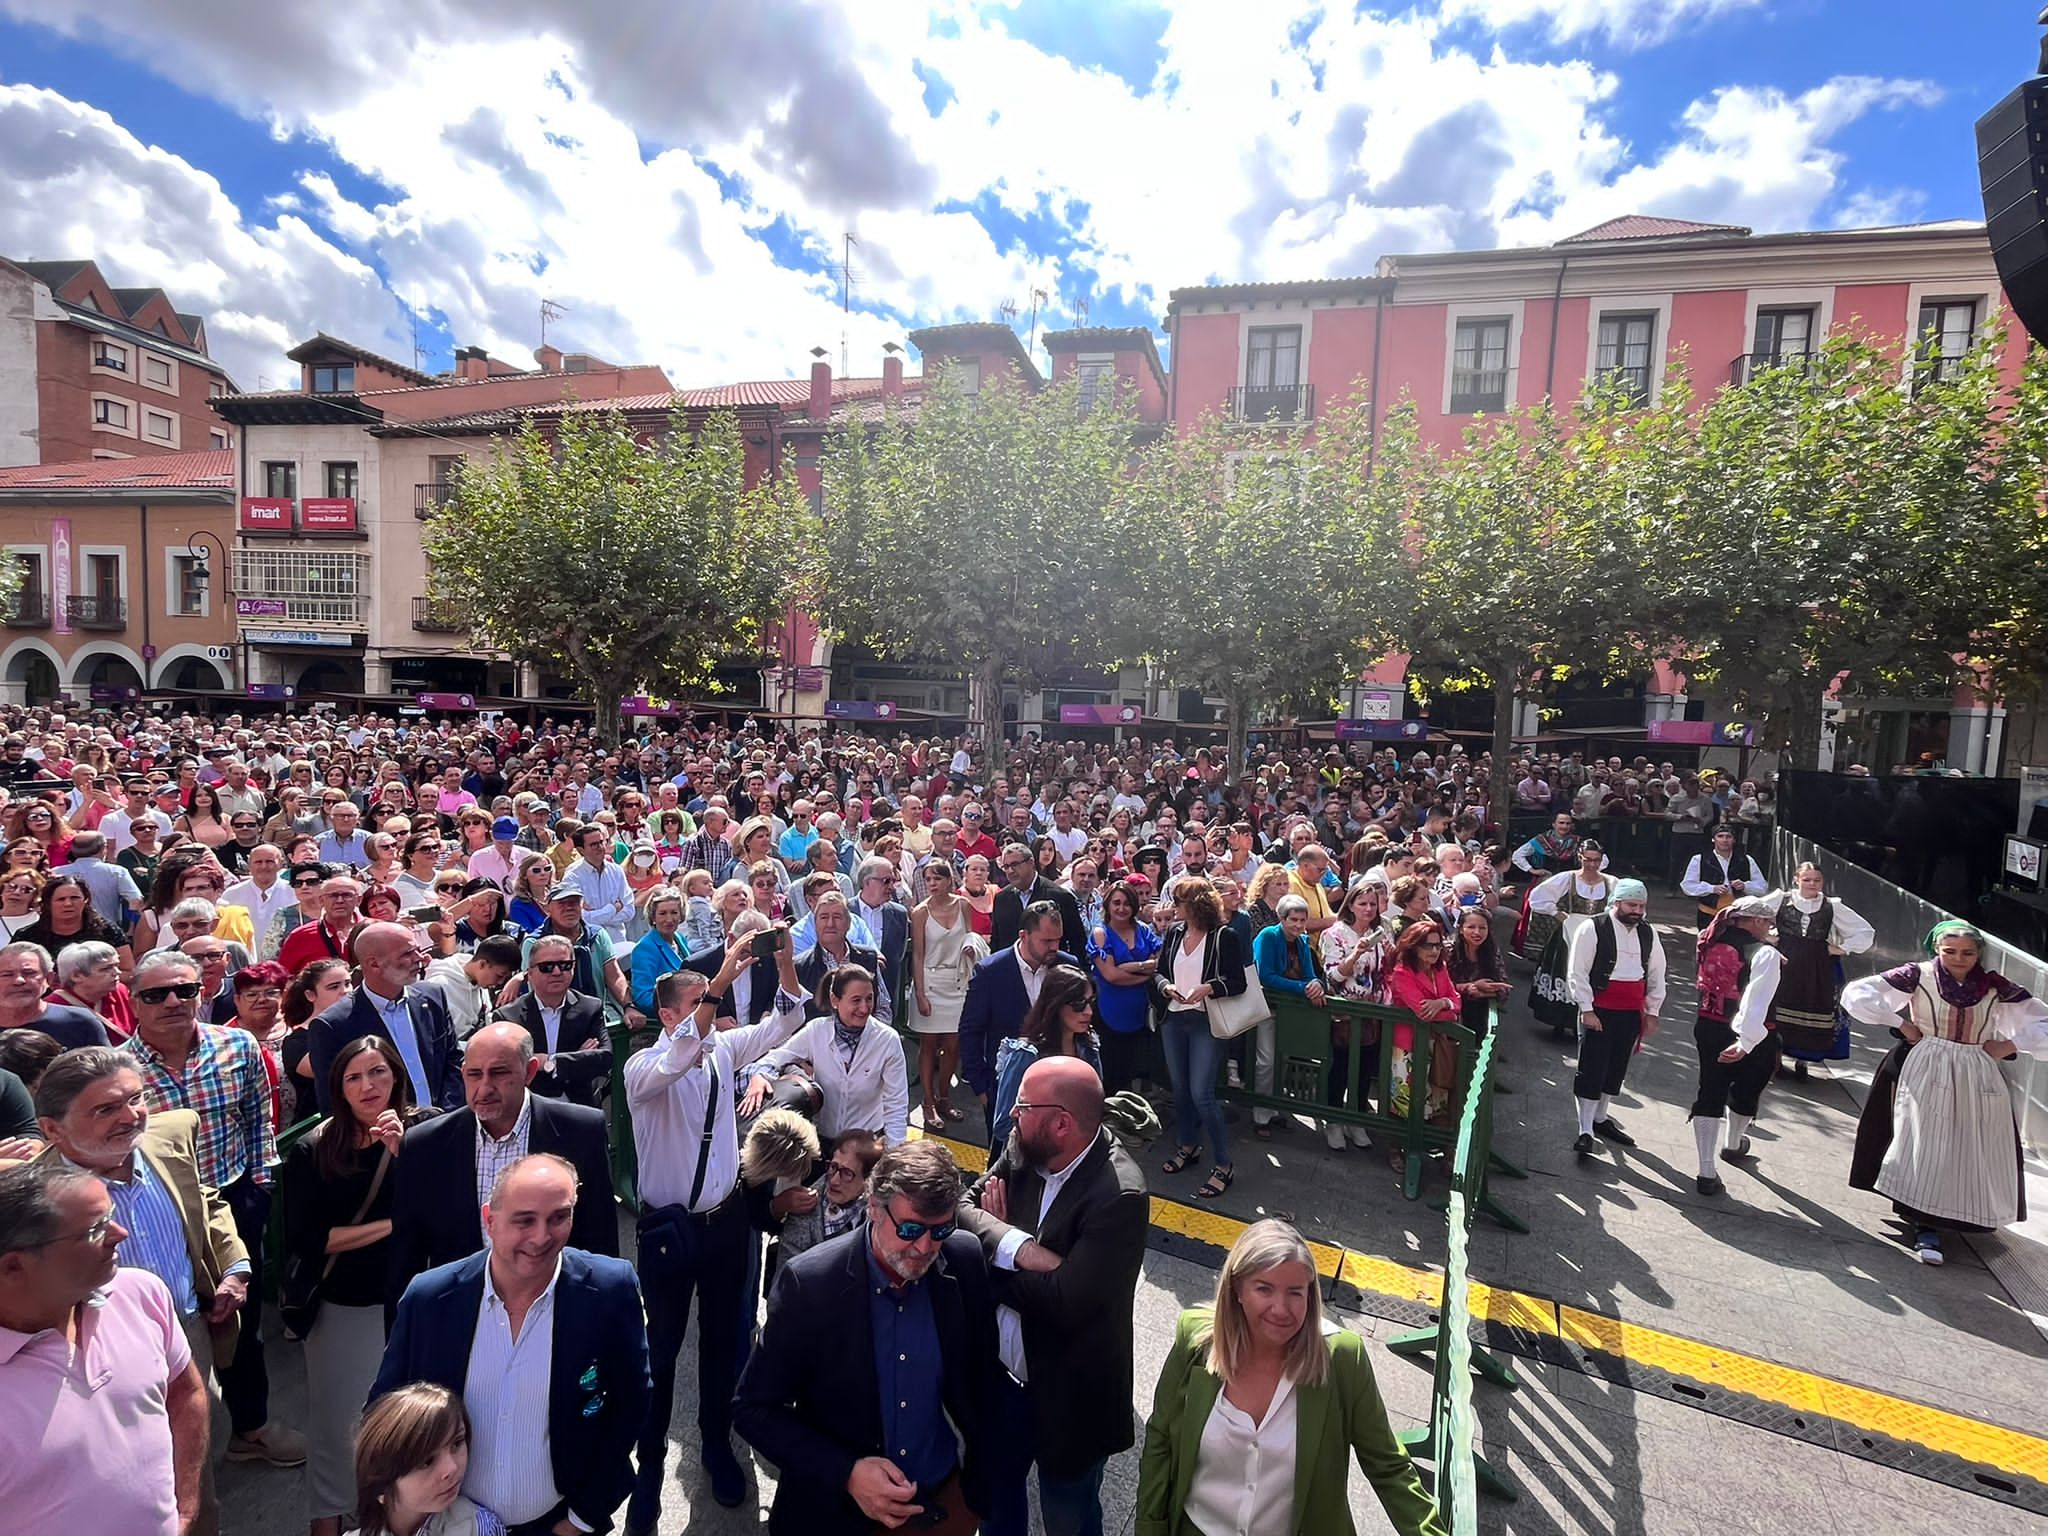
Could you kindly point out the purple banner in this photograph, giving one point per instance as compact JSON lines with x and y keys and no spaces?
{"x":1382,"y":730}
{"x":1100,"y":714}
{"x":272,"y":691}
{"x":446,"y":700}
{"x":859,"y":709}
{"x":1702,"y":733}
{"x":259,"y":608}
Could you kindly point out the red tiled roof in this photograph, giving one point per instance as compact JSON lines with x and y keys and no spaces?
{"x":855,"y":399}
{"x":1643,"y":226}
{"x":213,"y":469}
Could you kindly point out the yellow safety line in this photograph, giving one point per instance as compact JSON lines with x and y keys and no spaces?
{"x":1936,"y":1429}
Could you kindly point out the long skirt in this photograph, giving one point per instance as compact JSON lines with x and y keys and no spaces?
{"x":1938,"y":1137}
{"x":1550,"y":993}
{"x":343,"y":1351}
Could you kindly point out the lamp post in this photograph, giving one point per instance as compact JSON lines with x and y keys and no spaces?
{"x":195,"y":547}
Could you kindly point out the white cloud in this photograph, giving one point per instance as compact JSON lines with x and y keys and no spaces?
{"x":527,"y":151}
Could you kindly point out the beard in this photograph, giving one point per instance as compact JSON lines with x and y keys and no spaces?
{"x":1628,"y":919}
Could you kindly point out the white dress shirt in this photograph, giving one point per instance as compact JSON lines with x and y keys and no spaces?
{"x":511,"y":1472}
{"x":1704,"y":871}
{"x":1753,"y":1011}
{"x":1628,"y":965}
{"x":607,"y":900}
{"x":263,"y":906}
{"x":1009,"y":1325}
{"x":399,"y":1031}
{"x":871,"y":1092}
{"x":668,"y":1084}
{"x":1034,"y":978}
{"x":1243,"y":1484}
{"x":469,"y":1005}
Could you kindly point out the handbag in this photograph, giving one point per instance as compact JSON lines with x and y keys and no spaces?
{"x":1230,"y":1017}
{"x":298,"y":1287}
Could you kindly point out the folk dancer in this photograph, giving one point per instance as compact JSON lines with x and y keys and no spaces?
{"x":1721,"y":875}
{"x":1937,"y":1133}
{"x":1616,"y":970}
{"x":1740,"y":977}
{"x":1557,"y":908}
{"x":1814,"y":931}
{"x":1553,"y":851}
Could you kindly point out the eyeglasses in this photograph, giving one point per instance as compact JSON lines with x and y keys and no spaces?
{"x":183,"y":991}
{"x":911,"y":1231}
{"x":95,"y":1234}
{"x":841,"y":1171}
{"x":1021,"y":1108}
{"x":554,"y":967}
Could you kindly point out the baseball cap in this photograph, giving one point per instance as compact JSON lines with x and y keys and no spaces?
{"x":561,"y":890}
{"x":504,"y":829}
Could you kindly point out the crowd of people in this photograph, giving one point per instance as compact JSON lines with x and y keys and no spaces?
{"x":453,"y":964}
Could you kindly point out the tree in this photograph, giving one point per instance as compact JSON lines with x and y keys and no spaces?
{"x":1847,"y":516}
{"x":972,"y":531}
{"x":618,"y":561}
{"x":1532,"y":551}
{"x":1258,"y":568}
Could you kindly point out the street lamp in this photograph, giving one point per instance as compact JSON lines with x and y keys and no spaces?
{"x":195,"y":547}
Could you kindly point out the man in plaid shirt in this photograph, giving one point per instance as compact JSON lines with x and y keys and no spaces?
{"x":218,"y":1073}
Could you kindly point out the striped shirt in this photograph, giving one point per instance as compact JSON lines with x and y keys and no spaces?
{"x":156,"y":1232}
{"x":494,"y":1154}
{"x":225,"y":1084}
{"x":507,"y":1393}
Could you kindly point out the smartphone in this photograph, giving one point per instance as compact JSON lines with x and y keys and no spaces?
{"x":431,"y":913}
{"x":764,"y":944}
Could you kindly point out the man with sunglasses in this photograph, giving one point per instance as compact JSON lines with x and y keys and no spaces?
{"x":103,"y":1412}
{"x":883,"y":1336}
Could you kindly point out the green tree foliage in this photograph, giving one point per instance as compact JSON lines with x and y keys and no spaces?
{"x":617,"y":561}
{"x":1257,"y":565}
{"x":1846,"y":515}
{"x":972,"y":533}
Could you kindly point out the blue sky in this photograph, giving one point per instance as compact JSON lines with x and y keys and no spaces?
{"x":679,"y":178}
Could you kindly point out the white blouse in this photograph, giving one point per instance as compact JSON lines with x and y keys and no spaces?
{"x":872,"y":1092}
{"x":1187,"y":968}
{"x":1244,"y":1476}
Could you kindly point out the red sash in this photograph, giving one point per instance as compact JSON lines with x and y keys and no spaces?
{"x":1622,"y":996}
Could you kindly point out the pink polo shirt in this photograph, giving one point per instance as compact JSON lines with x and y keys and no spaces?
{"x":87,"y":1433}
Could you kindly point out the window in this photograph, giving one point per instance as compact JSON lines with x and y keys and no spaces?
{"x":341,"y":479}
{"x":967,"y":374}
{"x":216,"y":438}
{"x":281,"y":479}
{"x":1273,"y":357}
{"x":110,"y":413}
{"x":188,"y":587}
{"x":158,"y":371}
{"x":215,"y":389}
{"x":334,"y":381}
{"x":32,"y":586}
{"x":1782,"y":333}
{"x":159,"y":427}
{"x":110,"y":356}
{"x":1096,"y":374}
{"x":1479,"y":366}
{"x":1948,"y":328}
{"x":1625,"y":352}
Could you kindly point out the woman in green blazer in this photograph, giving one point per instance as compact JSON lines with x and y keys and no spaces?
{"x":1257,"y":1405}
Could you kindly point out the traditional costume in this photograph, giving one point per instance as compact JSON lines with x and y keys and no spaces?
{"x":1616,"y":973}
{"x":1558,"y":908}
{"x":1807,"y":1014}
{"x":1549,"y":852}
{"x":1740,"y":977}
{"x":1739,"y":872}
{"x":1937,"y":1134}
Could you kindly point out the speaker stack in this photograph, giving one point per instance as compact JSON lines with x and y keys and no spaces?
{"x":2012,"y":168}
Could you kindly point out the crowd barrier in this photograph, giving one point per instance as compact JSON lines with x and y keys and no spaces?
{"x":1446,"y":1441}
{"x":1649,"y":847}
{"x":1302,"y":1053}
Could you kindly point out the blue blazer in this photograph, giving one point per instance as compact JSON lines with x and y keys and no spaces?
{"x":599,"y":1388}
{"x":993,"y":1011}
{"x":355,"y":1016}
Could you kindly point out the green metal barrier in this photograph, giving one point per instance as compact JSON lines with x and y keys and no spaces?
{"x":619,"y":1114}
{"x":273,"y":1227}
{"x":1447,"y":1440}
{"x":1302,"y":1053}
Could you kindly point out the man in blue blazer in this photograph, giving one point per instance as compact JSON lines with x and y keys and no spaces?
{"x":389,"y":1003}
{"x":474,"y":1327}
{"x":999,"y":994}
{"x":875,"y":904}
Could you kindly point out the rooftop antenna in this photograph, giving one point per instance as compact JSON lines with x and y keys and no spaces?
{"x":419,"y":353}
{"x":1038,"y":297}
{"x":549,"y":310}
{"x":1081,"y":310}
{"x":845,"y":298}
{"x":1008,"y":310}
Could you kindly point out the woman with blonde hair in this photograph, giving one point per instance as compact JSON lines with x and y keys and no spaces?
{"x":1259,"y":1370}
{"x":412,"y":1452}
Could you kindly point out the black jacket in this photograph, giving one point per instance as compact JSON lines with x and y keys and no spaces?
{"x":808,"y":1399}
{"x":1077,"y":1318}
{"x":1007,"y":918}
{"x":356,"y":1016}
{"x":434,"y":1214}
{"x":575,"y":1073}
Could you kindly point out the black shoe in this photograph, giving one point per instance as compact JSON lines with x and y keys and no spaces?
{"x":1584,"y":1145}
{"x":1801,"y":1072}
{"x":1607,"y":1130}
{"x":728,"y":1482}
{"x":1739,"y":1153}
{"x":1707,"y":1186}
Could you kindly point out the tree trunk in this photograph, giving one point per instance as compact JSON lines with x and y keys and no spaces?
{"x":1502,"y":783}
{"x":989,"y":684}
{"x":605,"y":719}
{"x":1803,"y":715}
{"x":1240,"y":732}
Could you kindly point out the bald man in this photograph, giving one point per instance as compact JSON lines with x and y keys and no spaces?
{"x":390,"y":1003}
{"x":1062,"y":1217}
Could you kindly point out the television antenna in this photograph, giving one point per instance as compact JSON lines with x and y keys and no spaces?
{"x":846,"y":281}
{"x":549,"y":310}
{"x":1008,"y":310}
{"x":1038,"y":297}
{"x":1081,"y":310}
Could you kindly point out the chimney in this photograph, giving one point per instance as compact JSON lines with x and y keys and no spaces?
{"x":472,"y":363}
{"x":821,"y":385}
{"x":549,"y":358}
{"x":892,"y":371}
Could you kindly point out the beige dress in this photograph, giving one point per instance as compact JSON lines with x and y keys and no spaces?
{"x":950,"y":955}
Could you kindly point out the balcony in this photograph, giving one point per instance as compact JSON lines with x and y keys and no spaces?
{"x":1750,"y":364}
{"x":434,"y":617}
{"x":96,"y":612}
{"x":1477,"y":390}
{"x":428,"y":499}
{"x":27,"y":610}
{"x":315,"y":589}
{"x":1272,"y":403}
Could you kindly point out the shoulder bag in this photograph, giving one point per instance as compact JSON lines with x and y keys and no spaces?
{"x":1230,"y":1017}
{"x":298,"y":1287}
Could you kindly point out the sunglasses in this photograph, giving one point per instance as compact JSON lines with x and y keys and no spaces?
{"x":310,"y":884}
{"x":554,"y":967}
{"x":183,"y":991}
{"x":911,"y":1231}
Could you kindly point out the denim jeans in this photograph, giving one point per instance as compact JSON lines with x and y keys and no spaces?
{"x":1192,"y":1059}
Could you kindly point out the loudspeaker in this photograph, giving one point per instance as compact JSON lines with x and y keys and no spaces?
{"x":2012,"y":169}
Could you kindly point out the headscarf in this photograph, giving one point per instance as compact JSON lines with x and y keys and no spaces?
{"x":1948,"y":927}
{"x":1630,"y":890}
{"x":1964,"y":992}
